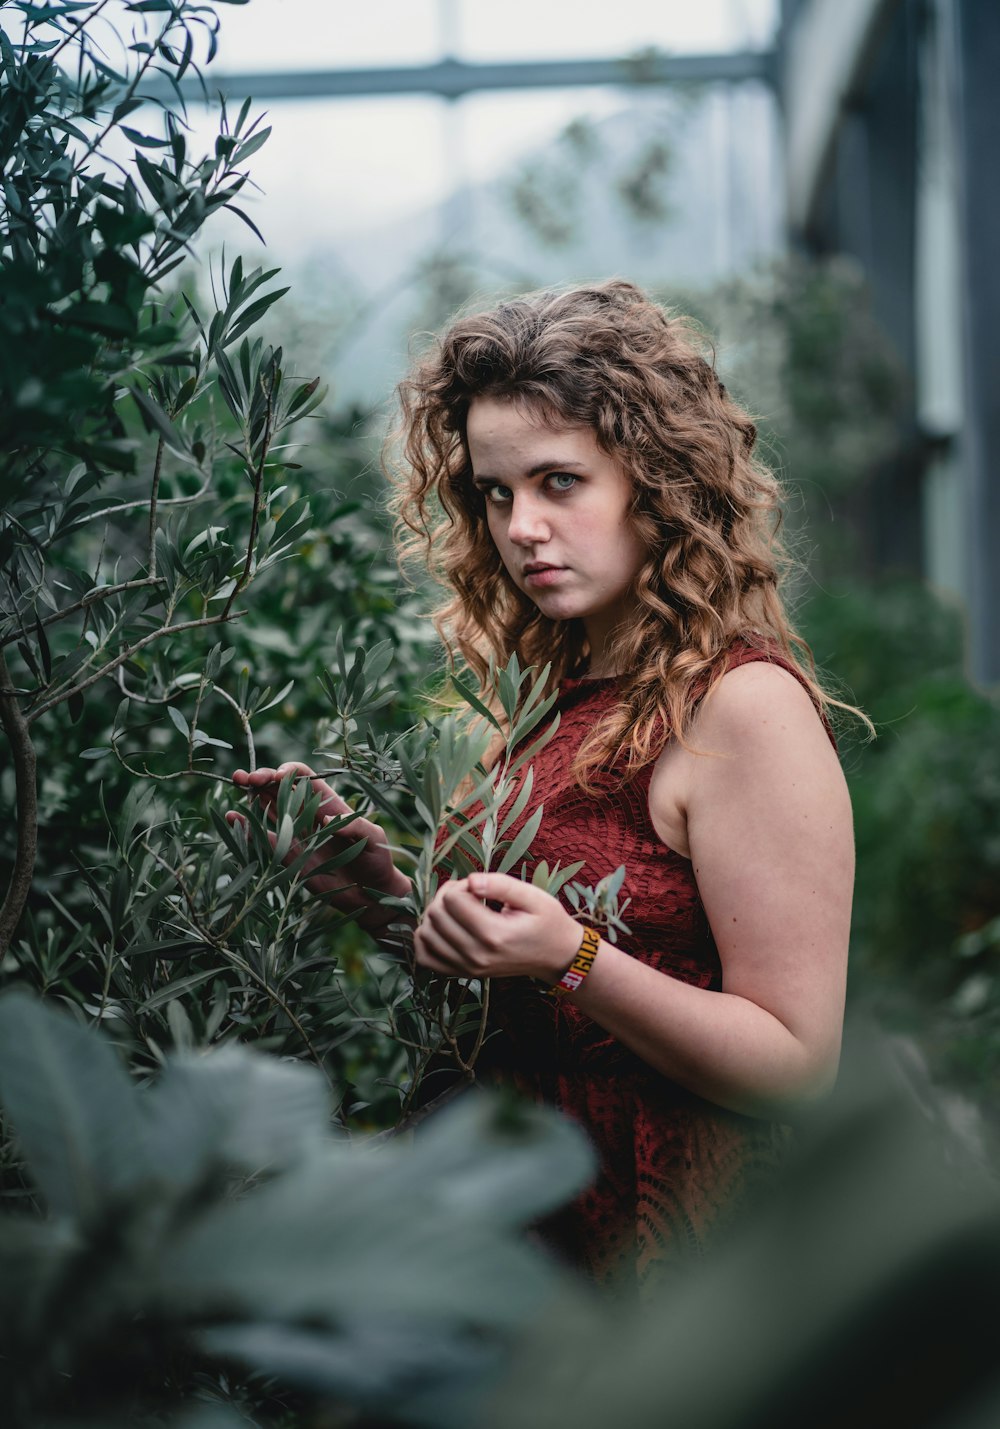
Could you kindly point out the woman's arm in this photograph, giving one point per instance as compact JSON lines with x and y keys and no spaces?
{"x":770,"y":833}
{"x":769,"y":825}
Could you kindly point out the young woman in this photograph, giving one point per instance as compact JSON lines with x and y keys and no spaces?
{"x":578,"y":477}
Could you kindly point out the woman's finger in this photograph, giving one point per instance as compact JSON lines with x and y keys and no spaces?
{"x":264,"y":784}
{"x":435,"y":952}
{"x":444,"y":930}
{"x":511,"y":892}
{"x":466,"y":914}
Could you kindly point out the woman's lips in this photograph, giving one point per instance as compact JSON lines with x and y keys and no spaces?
{"x":547,"y":576}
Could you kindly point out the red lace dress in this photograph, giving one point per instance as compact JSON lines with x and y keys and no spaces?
{"x":672,"y":1166}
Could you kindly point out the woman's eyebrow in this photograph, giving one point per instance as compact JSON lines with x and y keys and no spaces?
{"x":539,"y":468}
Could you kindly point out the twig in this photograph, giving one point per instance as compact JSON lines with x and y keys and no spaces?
{"x":146,"y":773}
{"x":129,"y":93}
{"x":414,"y":1118}
{"x":258,"y":489}
{"x":127,"y":653}
{"x":484,"y":1014}
{"x":103,"y":592}
{"x":238,"y":961}
{"x":202,"y":773}
{"x":157,"y":464}
{"x":244,"y":720}
{"x":78,"y":32}
{"x":134,"y":506}
{"x":16,"y":729}
{"x":193,"y":726}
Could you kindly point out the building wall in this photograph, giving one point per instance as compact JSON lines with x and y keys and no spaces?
{"x":900,"y":171}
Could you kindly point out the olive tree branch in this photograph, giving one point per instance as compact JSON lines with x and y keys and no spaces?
{"x":157,"y":465}
{"x":15,"y":727}
{"x":129,"y":93}
{"x":142,"y":501}
{"x":484,"y":1014}
{"x":103,"y":592}
{"x":128,"y":652}
{"x":244,"y":720}
{"x":239,"y":962}
{"x":77,"y":30}
{"x":258,"y":493}
{"x":146,"y":773}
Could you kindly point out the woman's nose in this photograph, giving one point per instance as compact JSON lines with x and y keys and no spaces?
{"x":528,"y":523}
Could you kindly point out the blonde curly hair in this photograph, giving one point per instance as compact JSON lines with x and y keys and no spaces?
{"x":602,"y":356}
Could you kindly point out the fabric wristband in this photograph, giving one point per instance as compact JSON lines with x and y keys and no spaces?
{"x":579,"y":967}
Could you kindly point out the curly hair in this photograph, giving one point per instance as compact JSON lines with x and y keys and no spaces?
{"x":602,"y":356}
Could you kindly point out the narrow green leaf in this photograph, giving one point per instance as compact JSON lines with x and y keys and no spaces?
{"x":156,"y":420}
{"x":176,"y":718}
{"x":517,"y":808}
{"x":522,"y":842}
{"x":470,"y":697}
{"x":286,"y":832}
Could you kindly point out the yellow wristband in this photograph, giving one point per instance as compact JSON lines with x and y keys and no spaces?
{"x":579,"y":967}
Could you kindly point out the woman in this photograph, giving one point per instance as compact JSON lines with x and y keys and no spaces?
{"x":602,"y":508}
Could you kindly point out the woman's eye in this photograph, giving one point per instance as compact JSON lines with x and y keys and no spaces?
{"x":490,"y":493}
{"x":563,"y":476}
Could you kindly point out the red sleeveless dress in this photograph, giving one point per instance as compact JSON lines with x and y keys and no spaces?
{"x":673,"y":1168}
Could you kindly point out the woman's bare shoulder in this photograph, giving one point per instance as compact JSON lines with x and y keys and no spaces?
{"x":759,"y":704}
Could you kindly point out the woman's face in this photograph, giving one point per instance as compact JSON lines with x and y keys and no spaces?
{"x":557,"y":508}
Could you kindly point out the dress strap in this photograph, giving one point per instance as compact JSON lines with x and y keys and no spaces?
{"x":747,"y":652}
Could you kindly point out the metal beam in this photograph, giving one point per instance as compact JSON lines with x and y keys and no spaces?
{"x":828,"y":47}
{"x":451,"y":78}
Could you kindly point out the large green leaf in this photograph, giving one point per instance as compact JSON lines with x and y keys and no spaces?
{"x":71,"y":1106}
{"x":371,"y":1361}
{"x":510,"y":1163}
{"x":234,"y":1110}
{"x":33,"y":1257}
{"x":397,"y":1230}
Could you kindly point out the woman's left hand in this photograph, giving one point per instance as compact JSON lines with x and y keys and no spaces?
{"x":532,"y":935}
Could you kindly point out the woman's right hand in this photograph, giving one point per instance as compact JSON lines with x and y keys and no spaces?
{"x":342,"y":887}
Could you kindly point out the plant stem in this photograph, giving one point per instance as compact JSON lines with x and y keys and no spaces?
{"x":76,"y":35}
{"x":484,"y":1017}
{"x":134,"y":506}
{"x":15,"y":727}
{"x":258,"y":489}
{"x":244,"y":720}
{"x":240,"y":962}
{"x":126,"y":654}
{"x":412,"y":1119}
{"x":98,"y":593}
{"x":157,"y":465}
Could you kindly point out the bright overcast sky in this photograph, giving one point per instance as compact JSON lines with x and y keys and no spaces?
{"x":308,"y":34}
{"x":339,"y":166}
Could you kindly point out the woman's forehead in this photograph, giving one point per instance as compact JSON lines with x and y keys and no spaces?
{"x":492,"y":418}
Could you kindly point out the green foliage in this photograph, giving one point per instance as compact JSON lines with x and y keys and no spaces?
{"x":208,"y":1240}
{"x":798,"y":343}
{"x":131,"y":532}
{"x":927,"y":809}
{"x":85,"y":242}
{"x":454,"y":815}
{"x":212,"y":1221}
{"x":854,"y":1294}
